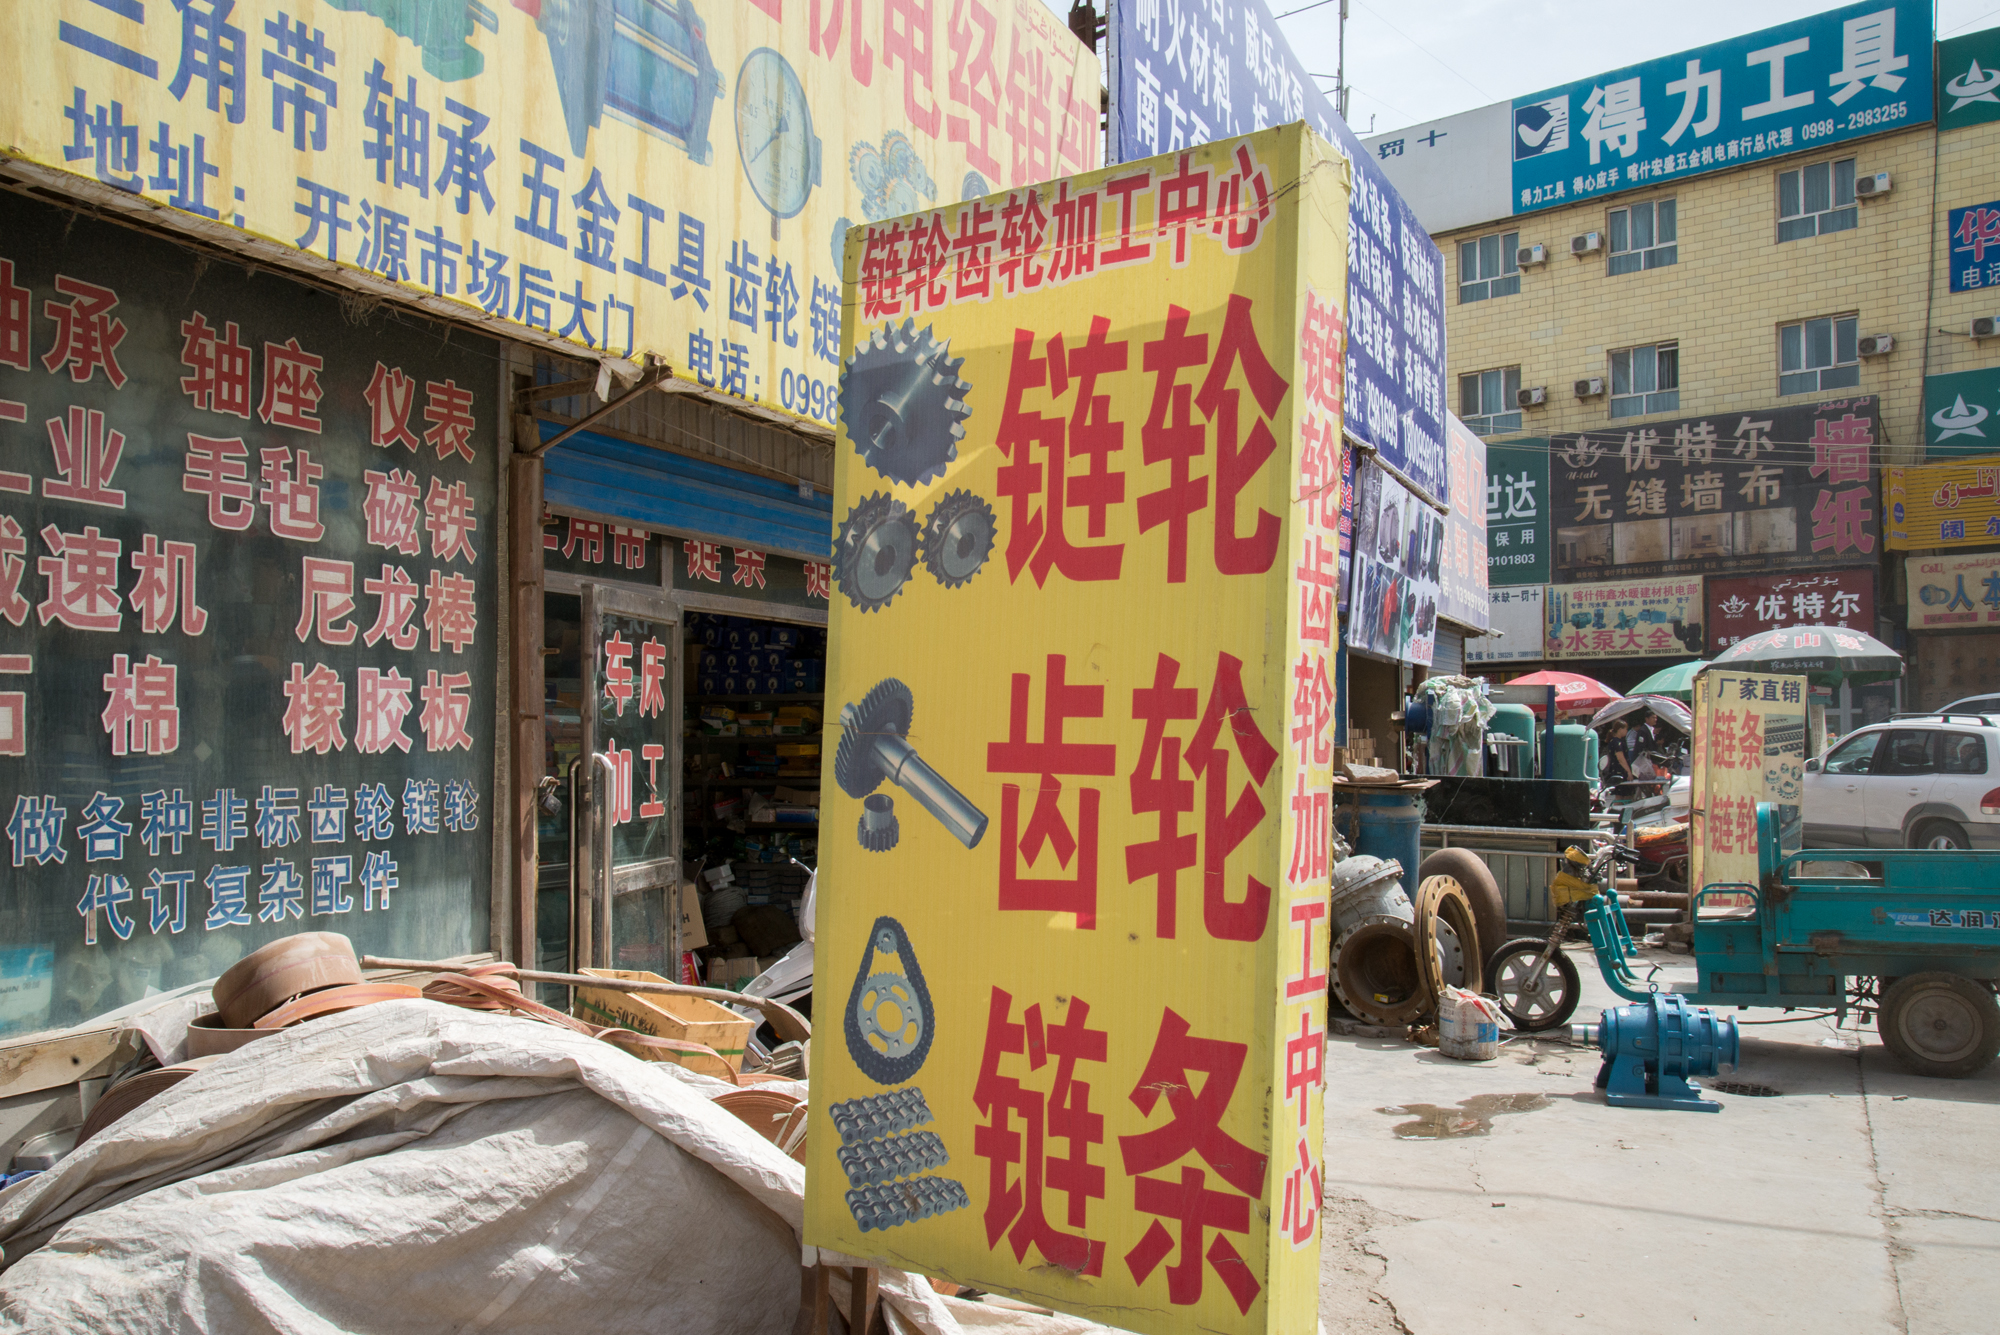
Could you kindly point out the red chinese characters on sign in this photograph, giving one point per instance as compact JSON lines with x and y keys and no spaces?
{"x":1048,"y":828}
{"x":391,"y":397}
{"x":652,"y":678}
{"x":13,"y":565}
{"x":317,"y":705}
{"x":1034,"y":1104}
{"x":1191,"y":1137}
{"x":291,"y":494}
{"x":220,"y":470}
{"x":291,"y":387}
{"x":1732,"y":825}
{"x":446,"y":708}
{"x":16,"y":328}
{"x":617,"y":673}
{"x":82,"y":571}
{"x":390,"y":511}
{"x":142,"y":713}
{"x":87,"y":333}
{"x":1158,"y":788}
{"x":448,"y":410}
{"x":218,"y":366}
{"x":449,"y":519}
{"x":1062,"y":478}
{"x":747,"y":570}
{"x":704,"y":560}
{"x":166,"y":587}
{"x":381,"y":703}
{"x":396,"y":602}
{"x":819,"y":579}
{"x":86,"y":454}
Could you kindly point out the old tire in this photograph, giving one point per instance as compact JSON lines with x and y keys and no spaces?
{"x":1941,"y":1024}
{"x":1482,"y":891}
{"x":1530,"y":1003}
{"x":1940,"y":834}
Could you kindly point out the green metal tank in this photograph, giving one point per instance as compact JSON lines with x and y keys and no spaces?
{"x":1575,"y":753}
{"x":1516,"y":721}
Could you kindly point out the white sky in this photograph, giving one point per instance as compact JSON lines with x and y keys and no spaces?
{"x":1408,"y":63}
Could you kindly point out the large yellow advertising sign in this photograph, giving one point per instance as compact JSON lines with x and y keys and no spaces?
{"x":672,"y":177}
{"x":1075,"y":836}
{"x":1750,"y":736}
{"x":1954,"y":504}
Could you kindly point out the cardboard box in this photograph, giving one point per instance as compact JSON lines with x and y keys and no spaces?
{"x":689,"y":1019}
{"x":693,"y":934}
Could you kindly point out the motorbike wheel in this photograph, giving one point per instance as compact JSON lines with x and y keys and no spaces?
{"x":1533,"y":1003}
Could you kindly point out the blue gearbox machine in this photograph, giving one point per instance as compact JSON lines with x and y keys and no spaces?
{"x":1652,"y":1051}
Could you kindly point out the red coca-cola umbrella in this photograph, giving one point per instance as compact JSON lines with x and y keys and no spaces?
{"x":1575,"y":693}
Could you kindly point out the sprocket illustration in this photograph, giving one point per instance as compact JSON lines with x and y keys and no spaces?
{"x":903,"y":403}
{"x":958,"y":537}
{"x":875,"y":551}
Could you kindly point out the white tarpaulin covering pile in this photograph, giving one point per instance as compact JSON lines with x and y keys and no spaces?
{"x":415,"y":1167}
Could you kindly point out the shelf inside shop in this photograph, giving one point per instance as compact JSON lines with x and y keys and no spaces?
{"x":807,"y":697}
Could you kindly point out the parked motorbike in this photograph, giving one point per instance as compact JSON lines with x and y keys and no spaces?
{"x":790,"y":979}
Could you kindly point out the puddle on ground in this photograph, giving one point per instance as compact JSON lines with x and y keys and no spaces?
{"x":1472,"y":1117}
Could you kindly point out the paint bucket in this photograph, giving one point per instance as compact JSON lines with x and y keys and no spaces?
{"x":1468,"y":1026}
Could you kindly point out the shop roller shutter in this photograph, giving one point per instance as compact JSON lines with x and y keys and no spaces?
{"x":1448,"y":658}
{"x":662,"y":491}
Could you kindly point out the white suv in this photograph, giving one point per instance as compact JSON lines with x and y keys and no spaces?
{"x":1925,"y":781}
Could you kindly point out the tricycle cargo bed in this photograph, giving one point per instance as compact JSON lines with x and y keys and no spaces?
{"x":1933,"y":909}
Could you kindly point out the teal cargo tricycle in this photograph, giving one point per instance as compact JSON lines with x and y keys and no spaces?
{"x":1912,"y":941}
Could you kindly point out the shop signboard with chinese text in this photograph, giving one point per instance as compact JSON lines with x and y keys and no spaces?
{"x":1741,"y":606}
{"x":1517,"y":616}
{"x":1398,"y":549}
{"x":1953,"y":592}
{"x":1811,"y":83}
{"x":1188,"y":73}
{"x":1656,"y":618}
{"x":1517,"y":513}
{"x":248,"y":576}
{"x":1972,"y":241}
{"x":1943,"y":505}
{"x":1769,"y":489}
{"x":1970,"y":69}
{"x":1749,"y":747}
{"x":657,"y":176}
{"x":1084,"y":734}
{"x":1962,"y":413}
{"x":1462,"y":573}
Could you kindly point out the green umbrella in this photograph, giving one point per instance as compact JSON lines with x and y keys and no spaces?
{"x":1824,"y":655}
{"x":1676,"y":681}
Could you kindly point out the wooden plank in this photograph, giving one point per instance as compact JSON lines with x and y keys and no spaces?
{"x":63,"y":1057}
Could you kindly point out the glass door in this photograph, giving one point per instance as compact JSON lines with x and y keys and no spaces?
{"x":625,"y":857}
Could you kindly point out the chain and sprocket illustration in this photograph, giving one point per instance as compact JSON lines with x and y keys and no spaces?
{"x":888,"y":1016}
{"x":958,"y":537}
{"x":875,"y":551}
{"x":903,"y":403}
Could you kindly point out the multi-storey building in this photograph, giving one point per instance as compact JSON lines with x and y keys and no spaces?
{"x":1694,"y":307}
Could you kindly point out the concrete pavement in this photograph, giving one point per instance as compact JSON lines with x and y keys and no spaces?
{"x":1859,"y":1198}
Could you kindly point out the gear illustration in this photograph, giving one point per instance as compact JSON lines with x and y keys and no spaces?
{"x":888,"y":1014}
{"x":874,"y":745}
{"x":903,"y":404}
{"x":958,"y":537}
{"x":875,"y":551}
{"x":878,"y":828}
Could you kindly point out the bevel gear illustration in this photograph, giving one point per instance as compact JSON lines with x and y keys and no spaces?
{"x":958,"y":537}
{"x":875,"y":551}
{"x":874,"y":745}
{"x":903,"y":403}
{"x":888,"y":1020}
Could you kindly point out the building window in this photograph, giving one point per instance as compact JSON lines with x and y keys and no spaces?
{"x":1644,"y":236}
{"x":1818,"y":355}
{"x":1646,"y":380}
{"x":1816,"y":200}
{"x":1487,"y":400}
{"x":1486,"y":267}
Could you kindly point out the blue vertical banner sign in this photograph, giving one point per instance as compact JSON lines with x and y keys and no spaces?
{"x":1835,"y":76}
{"x":1184,"y":72}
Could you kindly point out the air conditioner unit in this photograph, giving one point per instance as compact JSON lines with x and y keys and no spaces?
{"x":1589,"y":243}
{"x":1531,"y":398}
{"x":1590,"y":388}
{"x":1528,"y":255}
{"x":1867,"y":187}
{"x":1985,"y":326}
{"x":1876,"y":345}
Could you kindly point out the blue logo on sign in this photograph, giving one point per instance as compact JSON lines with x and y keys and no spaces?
{"x":1541,"y":127}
